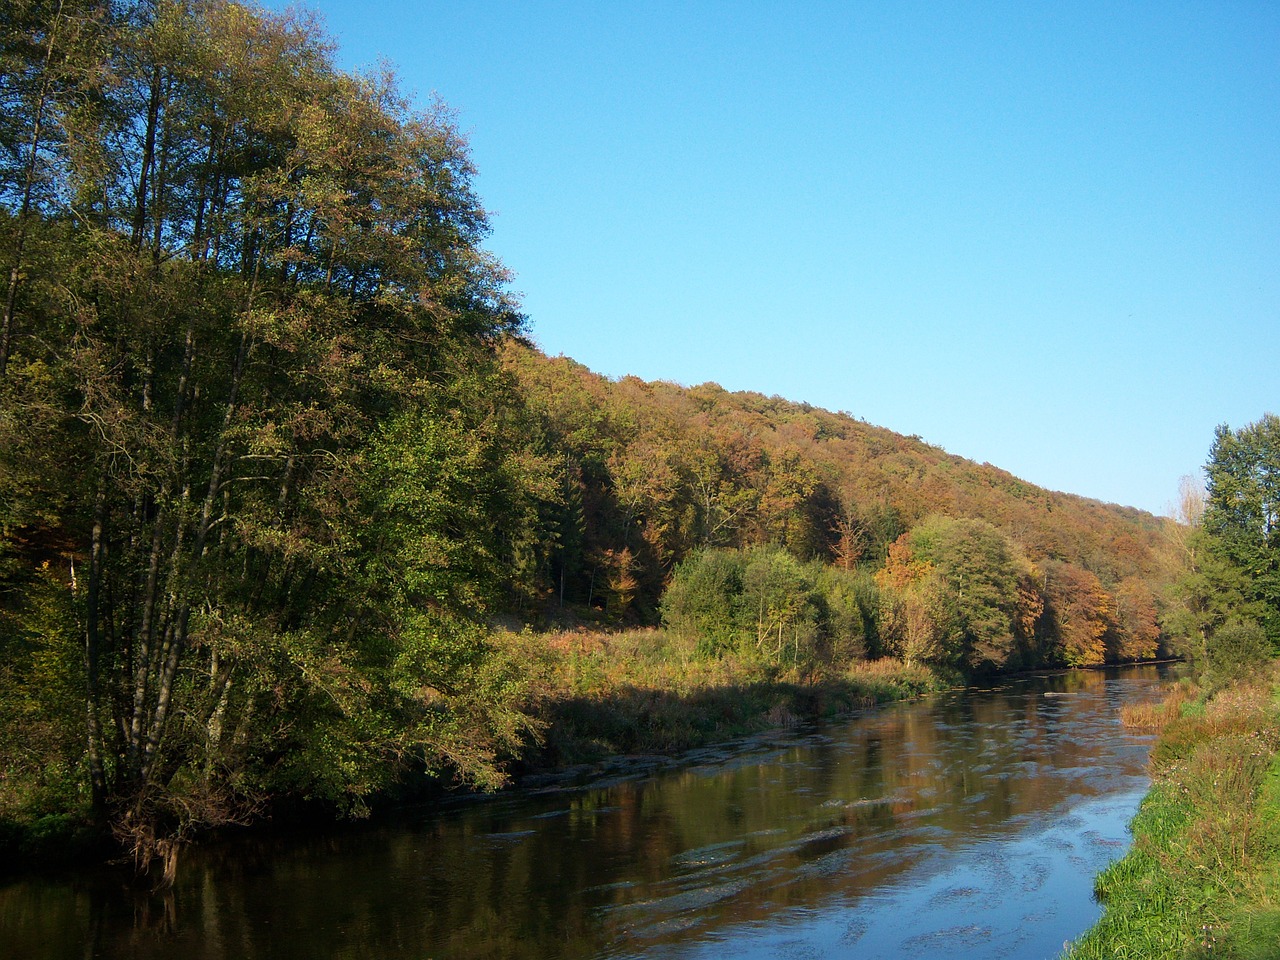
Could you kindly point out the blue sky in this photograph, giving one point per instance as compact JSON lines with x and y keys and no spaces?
{"x":1043,"y":235}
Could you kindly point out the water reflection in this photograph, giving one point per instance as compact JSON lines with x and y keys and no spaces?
{"x":972,"y":823}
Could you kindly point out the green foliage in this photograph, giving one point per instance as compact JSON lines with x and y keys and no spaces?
{"x":600,"y":694}
{"x":917,"y":618}
{"x":41,"y":704}
{"x":248,"y":388}
{"x":704,"y":598}
{"x":849,"y":601}
{"x":980,"y":570}
{"x":1210,"y":590}
{"x":271,"y":456}
{"x":957,"y":592}
{"x":765,"y":605}
{"x":1243,"y":511}
{"x":1237,"y":650}
{"x":665,"y":471}
{"x":778,"y":612}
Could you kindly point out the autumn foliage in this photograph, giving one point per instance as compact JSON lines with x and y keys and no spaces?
{"x":969,"y":566}
{"x":275,"y":460}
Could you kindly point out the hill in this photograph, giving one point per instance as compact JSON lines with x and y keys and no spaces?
{"x":652,"y":472}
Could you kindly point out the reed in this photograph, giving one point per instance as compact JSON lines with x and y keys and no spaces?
{"x":1157,"y":715}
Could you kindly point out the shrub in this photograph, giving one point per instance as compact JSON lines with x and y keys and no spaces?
{"x":1238,"y":649}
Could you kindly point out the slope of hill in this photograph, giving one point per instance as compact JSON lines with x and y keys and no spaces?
{"x":652,"y":472}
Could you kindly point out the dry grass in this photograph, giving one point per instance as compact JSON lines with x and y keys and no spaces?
{"x":1157,"y":715}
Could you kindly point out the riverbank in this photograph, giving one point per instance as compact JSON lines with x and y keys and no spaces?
{"x":954,"y":824}
{"x":1203,"y":875}
{"x":592,"y":696}
{"x":596,"y":695}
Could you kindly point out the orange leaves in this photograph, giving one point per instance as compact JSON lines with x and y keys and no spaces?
{"x":1082,"y":610}
{"x":902,"y":569}
{"x":1137,"y":627}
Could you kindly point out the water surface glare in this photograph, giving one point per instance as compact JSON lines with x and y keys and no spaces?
{"x":968,"y":825}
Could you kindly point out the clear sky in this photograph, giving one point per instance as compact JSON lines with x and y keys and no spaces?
{"x":1040,"y":234}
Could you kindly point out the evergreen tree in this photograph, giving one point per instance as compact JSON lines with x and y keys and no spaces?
{"x":1243,"y":511}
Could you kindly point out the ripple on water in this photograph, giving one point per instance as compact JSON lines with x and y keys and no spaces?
{"x":835,"y":863}
{"x":953,"y":895}
{"x":510,"y":836}
{"x":654,"y":916}
{"x":550,"y":814}
{"x":969,"y":935}
{"x":713,"y":854}
{"x":813,"y":845}
{"x":854,"y":931}
{"x":1036,"y":875}
{"x":798,"y":950}
{"x":1040,"y":916}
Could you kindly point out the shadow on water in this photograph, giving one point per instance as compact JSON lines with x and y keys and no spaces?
{"x":972,"y":823}
{"x":640,"y":720}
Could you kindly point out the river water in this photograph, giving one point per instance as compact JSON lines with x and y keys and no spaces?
{"x":967,"y":825}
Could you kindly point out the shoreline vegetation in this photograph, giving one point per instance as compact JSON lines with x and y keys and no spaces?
{"x":1202,"y":877}
{"x":600,"y":695}
{"x":593,"y":697}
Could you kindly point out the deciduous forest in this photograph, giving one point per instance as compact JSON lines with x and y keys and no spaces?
{"x":292,"y":514}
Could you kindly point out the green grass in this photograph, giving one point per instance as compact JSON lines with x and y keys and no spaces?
{"x":1203,"y":876}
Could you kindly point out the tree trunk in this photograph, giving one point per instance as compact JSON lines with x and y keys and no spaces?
{"x":177,"y":642}
{"x":28,"y":186}
{"x":92,"y":652}
{"x":148,"y":159}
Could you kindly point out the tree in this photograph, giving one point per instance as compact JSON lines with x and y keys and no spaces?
{"x":1243,"y":510}
{"x":917,"y":623}
{"x":1240,"y":649}
{"x":1137,"y":626}
{"x":1080,"y":611}
{"x":850,"y":602}
{"x":258,"y":364}
{"x":983,"y":574}
{"x":703,"y":598}
{"x":1210,"y":591}
{"x":779,"y":601}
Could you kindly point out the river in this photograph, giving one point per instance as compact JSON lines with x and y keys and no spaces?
{"x":967,"y":825}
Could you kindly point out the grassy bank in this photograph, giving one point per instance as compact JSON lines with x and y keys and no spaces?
{"x":1203,"y":876}
{"x":646,"y":691}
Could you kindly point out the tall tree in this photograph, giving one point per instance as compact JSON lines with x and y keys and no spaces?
{"x":1243,"y":510}
{"x":917,"y":620}
{"x":267,"y":359}
{"x":1080,"y":613}
{"x":989,"y":586}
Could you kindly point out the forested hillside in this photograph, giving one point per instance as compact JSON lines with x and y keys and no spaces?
{"x":274,"y":462}
{"x":654,"y":474}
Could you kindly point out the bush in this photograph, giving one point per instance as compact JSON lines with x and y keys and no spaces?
{"x":764,"y":605}
{"x":1237,"y":650}
{"x":702,"y":599}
